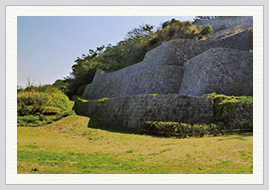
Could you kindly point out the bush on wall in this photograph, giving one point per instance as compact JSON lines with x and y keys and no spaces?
{"x":180,"y":130}
{"x":232,"y":112}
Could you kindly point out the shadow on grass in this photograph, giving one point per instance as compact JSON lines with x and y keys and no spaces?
{"x":240,"y":136}
{"x":96,"y":124}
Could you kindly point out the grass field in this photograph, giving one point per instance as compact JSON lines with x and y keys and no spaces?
{"x":69,"y":146}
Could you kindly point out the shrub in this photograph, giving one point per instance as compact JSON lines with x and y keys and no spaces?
{"x":180,"y":130}
{"x":29,"y":119}
{"x":202,"y":38}
{"x":40,"y":105}
{"x":51,"y":110}
{"x":206,"y":30}
{"x":39,"y":120}
{"x":30,"y":103}
{"x":238,"y":30}
{"x":234,"y":112}
{"x":222,"y":99}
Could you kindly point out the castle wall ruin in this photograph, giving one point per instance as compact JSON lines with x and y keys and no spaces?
{"x":167,"y":84}
{"x":162,"y":70}
{"x":222,"y":70}
{"x":131,"y":112}
{"x":227,"y":22}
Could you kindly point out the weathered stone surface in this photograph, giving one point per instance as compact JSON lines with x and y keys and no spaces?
{"x":135,"y":80}
{"x":235,"y":41}
{"x":220,"y":70}
{"x":160,"y":72}
{"x":188,"y":67}
{"x":131,"y":112}
{"x":227,"y":22}
{"x":176,"y":52}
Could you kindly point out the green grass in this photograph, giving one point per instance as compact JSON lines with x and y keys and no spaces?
{"x":79,"y":98}
{"x":68,"y":146}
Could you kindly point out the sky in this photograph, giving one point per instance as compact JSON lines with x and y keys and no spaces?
{"x":48,"y":45}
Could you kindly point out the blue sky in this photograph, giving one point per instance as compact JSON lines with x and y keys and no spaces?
{"x":48,"y":46}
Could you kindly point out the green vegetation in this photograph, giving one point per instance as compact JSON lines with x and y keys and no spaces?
{"x":221,"y":99}
{"x":63,"y":147}
{"x":206,"y":30}
{"x":102,"y":100}
{"x":127,"y":52}
{"x":79,"y":98}
{"x":203,"y":38}
{"x":41,"y":105}
{"x":233,"y":112}
{"x":180,"y":130}
{"x":62,"y":84}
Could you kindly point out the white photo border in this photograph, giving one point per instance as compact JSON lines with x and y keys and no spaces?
{"x":11,"y":95}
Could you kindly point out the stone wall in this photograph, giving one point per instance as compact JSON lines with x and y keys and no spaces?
{"x":176,"y":52}
{"x":135,"y":80}
{"x":160,"y":72}
{"x":235,"y":41}
{"x":131,"y":112}
{"x":220,"y":70}
{"x":227,"y":22}
{"x":184,"y":66}
{"x":237,"y":115}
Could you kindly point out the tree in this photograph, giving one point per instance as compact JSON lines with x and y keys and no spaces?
{"x":204,"y":17}
{"x":142,"y":30}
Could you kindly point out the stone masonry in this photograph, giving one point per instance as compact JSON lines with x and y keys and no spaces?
{"x":227,"y":22}
{"x":162,"y":70}
{"x":130,"y":112}
{"x":167,"y":84}
{"x":221,"y":70}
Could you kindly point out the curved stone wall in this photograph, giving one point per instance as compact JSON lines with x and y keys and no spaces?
{"x":220,"y":70}
{"x":131,"y":112}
